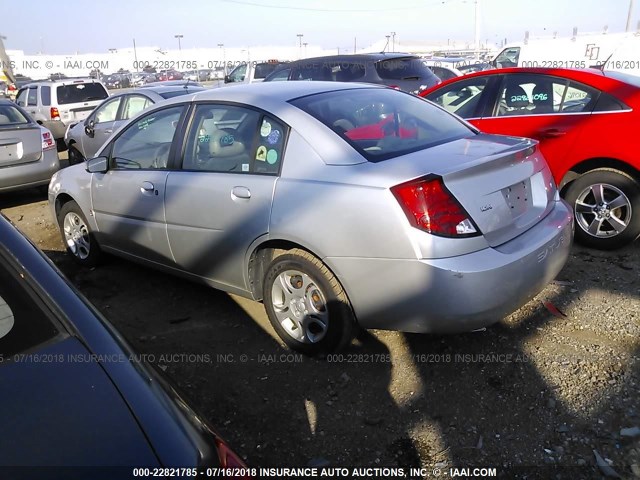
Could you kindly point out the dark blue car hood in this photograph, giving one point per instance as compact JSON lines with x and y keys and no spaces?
{"x":60,"y":408}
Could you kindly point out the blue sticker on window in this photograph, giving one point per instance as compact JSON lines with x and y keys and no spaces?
{"x":273,"y":137}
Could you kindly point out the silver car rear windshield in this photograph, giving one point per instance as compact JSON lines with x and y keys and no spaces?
{"x":10,"y":115}
{"x":382,"y":123}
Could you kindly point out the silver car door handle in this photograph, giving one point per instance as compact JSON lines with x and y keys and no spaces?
{"x":147,"y":187}
{"x":240,"y":192}
{"x":108,"y":131}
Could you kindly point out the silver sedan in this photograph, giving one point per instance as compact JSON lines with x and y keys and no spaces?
{"x":336,"y":205}
{"x":85,"y":138}
{"x":28,"y":155}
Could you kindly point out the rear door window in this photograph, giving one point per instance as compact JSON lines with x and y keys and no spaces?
{"x":45,"y":95}
{"x":134,"y":104}
{"x":21,"y":99}
{"x":81,"y":92}
{"x":402,"y":69}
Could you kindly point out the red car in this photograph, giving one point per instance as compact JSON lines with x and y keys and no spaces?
{"x":585,"y":120}
{"x":168,"y":75}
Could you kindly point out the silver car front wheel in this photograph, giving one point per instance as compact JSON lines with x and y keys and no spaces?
{"x":306,"y":304}
{"x":77,"y":235}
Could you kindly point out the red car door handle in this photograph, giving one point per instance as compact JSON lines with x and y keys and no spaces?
{"x":551,"y":133}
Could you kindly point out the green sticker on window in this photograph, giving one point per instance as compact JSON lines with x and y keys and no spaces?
{"x":272,"y":157}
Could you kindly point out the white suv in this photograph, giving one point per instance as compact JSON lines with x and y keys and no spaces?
{"x":58,"y":103}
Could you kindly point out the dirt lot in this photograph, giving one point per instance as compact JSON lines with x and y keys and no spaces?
{"x":544,"y":388}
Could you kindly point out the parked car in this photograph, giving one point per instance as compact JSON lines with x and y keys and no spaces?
{"x":583,"y":120}
{"x":335,"y":204}
{"x":117,"y":80}
{"x":399,"y":70}
{"x":142,"y":78}
{"x":172,"y":83}
{"x":445,"y":68}
{"x":248,"y":72}
{"x":85,"y":138}
{"x":28,"y":156}
{"x":164,"y":75}
{"x":58,"y":103}
{"x":196,"y":75}
{"x":74,"y":393}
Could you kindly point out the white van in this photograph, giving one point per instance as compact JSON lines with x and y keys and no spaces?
{"x":617,"y":51}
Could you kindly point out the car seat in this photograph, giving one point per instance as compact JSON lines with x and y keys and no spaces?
{"x":542,"y":97}
{"x":516,"y":100}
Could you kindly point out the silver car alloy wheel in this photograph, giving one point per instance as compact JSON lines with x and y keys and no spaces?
{"x":300,"y":306}
{"x":603,"y":210}
{"x":76,"y":235}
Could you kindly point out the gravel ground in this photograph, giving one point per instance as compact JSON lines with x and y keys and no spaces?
{"x":554,"y":388}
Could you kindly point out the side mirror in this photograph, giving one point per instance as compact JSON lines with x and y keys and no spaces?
{"x":227,"y":79}
{"x":89,"y":128}
{"x":97,"y":165}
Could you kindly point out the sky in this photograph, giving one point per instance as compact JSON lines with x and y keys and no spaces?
{"x":73,"y":27}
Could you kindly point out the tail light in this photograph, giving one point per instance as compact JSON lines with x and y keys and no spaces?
{"x":229,"y":459}
{"x":429,"y":206}
{"x":12,"y":87}
{"x":47,"y":141}
{"x":54,"y":113}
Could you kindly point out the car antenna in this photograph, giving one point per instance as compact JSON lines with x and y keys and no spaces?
{"x":603,"y":64}
{"x":186,"y":85}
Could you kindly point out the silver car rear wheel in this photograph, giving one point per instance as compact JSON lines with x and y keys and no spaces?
{"x":300,"y":306}
{"x":306,"y":303}
{"x":77,"y":235}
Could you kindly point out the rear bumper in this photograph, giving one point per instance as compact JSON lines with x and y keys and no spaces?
{"x":57,"y":127}
{"x":18,"y":177}
{"x":460,"y":293}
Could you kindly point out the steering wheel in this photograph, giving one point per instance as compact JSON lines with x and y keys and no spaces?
{"x":126,"y":163}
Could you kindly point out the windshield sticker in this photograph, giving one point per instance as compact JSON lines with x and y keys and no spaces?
{"x":262,"y":153}
{"x":6,"y":318}
{"x":265,"y":129}
{"x":273,"y":137}
{"x":245,"y":167}
{"x":272,"y":156}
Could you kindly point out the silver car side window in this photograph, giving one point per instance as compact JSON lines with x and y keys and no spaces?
{"x":222,"y":139}
{"x":146,"y":143}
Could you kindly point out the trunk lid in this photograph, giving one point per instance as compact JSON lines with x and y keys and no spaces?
{"x":20,"y":145}
{"x":504,"y":183}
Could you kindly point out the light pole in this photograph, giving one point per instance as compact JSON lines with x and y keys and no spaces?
{"x":300,"y":35}
{"x":393,"y":41}
{"x":179,"y":45}
{"x":305,"y":48}
{"x":224,"y":59}
{"x":386,"y":47}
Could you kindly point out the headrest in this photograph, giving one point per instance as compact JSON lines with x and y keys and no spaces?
{"x":4,"y":119}
{"x":516,"y":97}
{"x":542,"y":94}
{"x":223,"y":144}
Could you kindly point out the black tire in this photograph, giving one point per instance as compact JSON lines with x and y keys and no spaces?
{"x":75,"y":156}
{"x":331,"y":324}
{"x":60,"y":145}
{"x":613,"y":222}
{"x":84,"y":248}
